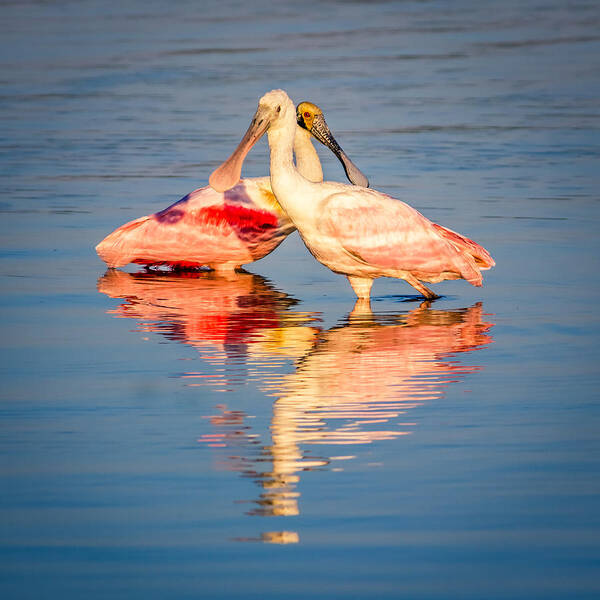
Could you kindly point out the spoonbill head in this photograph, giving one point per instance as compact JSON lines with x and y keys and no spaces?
{"x":358,"y":232}
{"x":310,"y":117}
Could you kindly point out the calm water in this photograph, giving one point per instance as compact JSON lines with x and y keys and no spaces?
{"x":168,"y":436}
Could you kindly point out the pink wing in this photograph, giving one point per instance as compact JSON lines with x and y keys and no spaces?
{"x":203,"y":228}
{"x":390,"y":235}
{"x":479,"y":253}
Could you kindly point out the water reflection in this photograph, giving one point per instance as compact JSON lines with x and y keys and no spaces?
{"x":352,"y":384}
{"x":352,"y":387}
{"x":221,"y":316}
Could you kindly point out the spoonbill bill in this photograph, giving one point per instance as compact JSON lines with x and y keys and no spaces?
{"x":357,"y":232}
{"x":221,"y":231}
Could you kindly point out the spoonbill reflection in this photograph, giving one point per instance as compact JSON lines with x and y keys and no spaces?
{"x":352,"y":384}
{"x":358,"y":232}
{"x":353,"y":387}
{"x":220,"y":315}
{"x":220,"y":230}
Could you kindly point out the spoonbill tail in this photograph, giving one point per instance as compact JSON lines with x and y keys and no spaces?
{"x":358,"y":232}
{"x":220,"y":230}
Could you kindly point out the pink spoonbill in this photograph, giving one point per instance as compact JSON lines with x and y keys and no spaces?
{"x":357,"y":232}
{"x":221,"y":230}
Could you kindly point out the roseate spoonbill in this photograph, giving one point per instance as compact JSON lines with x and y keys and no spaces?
{"x":360,"y":233}
{"x":220,"y":230}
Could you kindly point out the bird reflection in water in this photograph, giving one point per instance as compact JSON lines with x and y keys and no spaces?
{"x":352,"y":387}
{"x":352,"y":384}
{"x":219,"y":315}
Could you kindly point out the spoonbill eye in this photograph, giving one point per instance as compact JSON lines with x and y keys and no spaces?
{"x":278,"y":108}
{"x":307,"y":114}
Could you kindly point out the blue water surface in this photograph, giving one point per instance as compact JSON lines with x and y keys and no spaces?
{"x":171,"y":436}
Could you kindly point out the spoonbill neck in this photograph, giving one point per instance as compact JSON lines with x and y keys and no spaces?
{"x":307,"y":159}
{"x":286,"y":182}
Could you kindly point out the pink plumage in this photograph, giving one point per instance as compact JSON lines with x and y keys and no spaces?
{"x":482,"y":257}
{"x":372,"y":235}
{"x":205,"y":228}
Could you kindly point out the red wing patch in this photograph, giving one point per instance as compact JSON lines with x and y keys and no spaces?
{"x":248,"y":223}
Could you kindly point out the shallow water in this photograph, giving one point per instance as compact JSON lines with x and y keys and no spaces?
{"x":252,"y":436}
